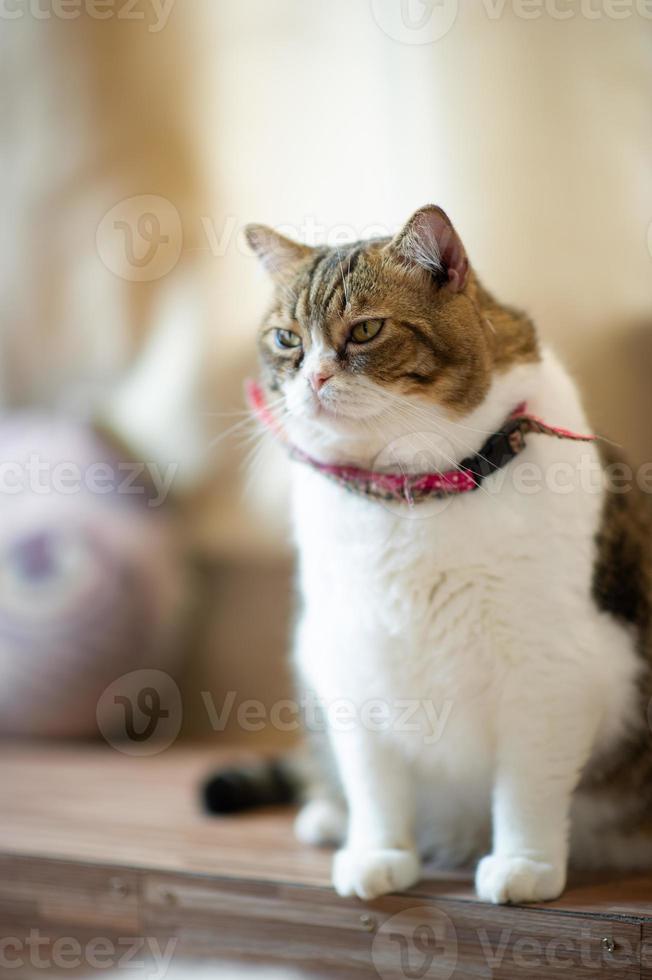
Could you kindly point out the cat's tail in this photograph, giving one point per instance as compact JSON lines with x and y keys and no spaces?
{"x":248,"y":786}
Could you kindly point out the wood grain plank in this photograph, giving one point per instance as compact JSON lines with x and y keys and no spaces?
{"x":92,"y":840}
{"x":396,"y":936}
{"x":646,"y":950}
{"x":64,"y":895}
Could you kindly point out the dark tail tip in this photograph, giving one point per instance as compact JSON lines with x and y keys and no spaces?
{"x":245,"y":788}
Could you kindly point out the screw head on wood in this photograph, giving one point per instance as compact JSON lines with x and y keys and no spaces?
{"x":368,"y":922}
{"x":608,"y":944}
{"x":119,"y":887}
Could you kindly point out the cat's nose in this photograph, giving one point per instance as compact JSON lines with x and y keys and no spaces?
{"x":318,"y":379}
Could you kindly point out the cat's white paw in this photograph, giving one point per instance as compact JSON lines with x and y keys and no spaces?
{"x":320,"y":822}
{"x":369,"y":873}
{"x":518,"y":879}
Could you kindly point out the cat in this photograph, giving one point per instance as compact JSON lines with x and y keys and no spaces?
{"x":503,"y":635}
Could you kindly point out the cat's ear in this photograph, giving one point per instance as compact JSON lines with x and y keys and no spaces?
{"x":430,"y":241}
{"x":278,"y":254}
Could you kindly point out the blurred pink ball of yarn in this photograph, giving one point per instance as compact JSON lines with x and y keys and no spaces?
{"x":91,"y":579}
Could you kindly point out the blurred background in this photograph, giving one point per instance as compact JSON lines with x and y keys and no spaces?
{"x":137,"y":141}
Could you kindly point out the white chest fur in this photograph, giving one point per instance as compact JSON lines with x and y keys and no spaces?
{"x":471,"y":625}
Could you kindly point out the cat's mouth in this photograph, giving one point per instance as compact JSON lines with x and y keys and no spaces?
{"x":324,"y":408}
{"x":338,"y":416}
{"x":334,"y":408}
{"x":318,"y":407}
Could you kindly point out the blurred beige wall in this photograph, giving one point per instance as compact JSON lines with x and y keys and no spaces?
{"x":97,"y":116}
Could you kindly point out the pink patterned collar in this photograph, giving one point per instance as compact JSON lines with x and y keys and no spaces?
{"x":499,"y":449}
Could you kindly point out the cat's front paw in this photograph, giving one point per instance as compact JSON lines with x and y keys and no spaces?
{"x":369,"y":873}
{"x":516,"y":879}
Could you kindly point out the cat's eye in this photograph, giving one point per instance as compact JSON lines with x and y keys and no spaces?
{"x":287,"y":339}
{"x":365,"y":331}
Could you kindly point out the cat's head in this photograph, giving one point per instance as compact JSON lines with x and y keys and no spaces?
{"x":360,"y":336}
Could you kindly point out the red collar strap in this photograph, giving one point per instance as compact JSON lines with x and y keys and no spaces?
{"x":499,"y":449}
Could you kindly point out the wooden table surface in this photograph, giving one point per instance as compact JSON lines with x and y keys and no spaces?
{"x":90,"y":837}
